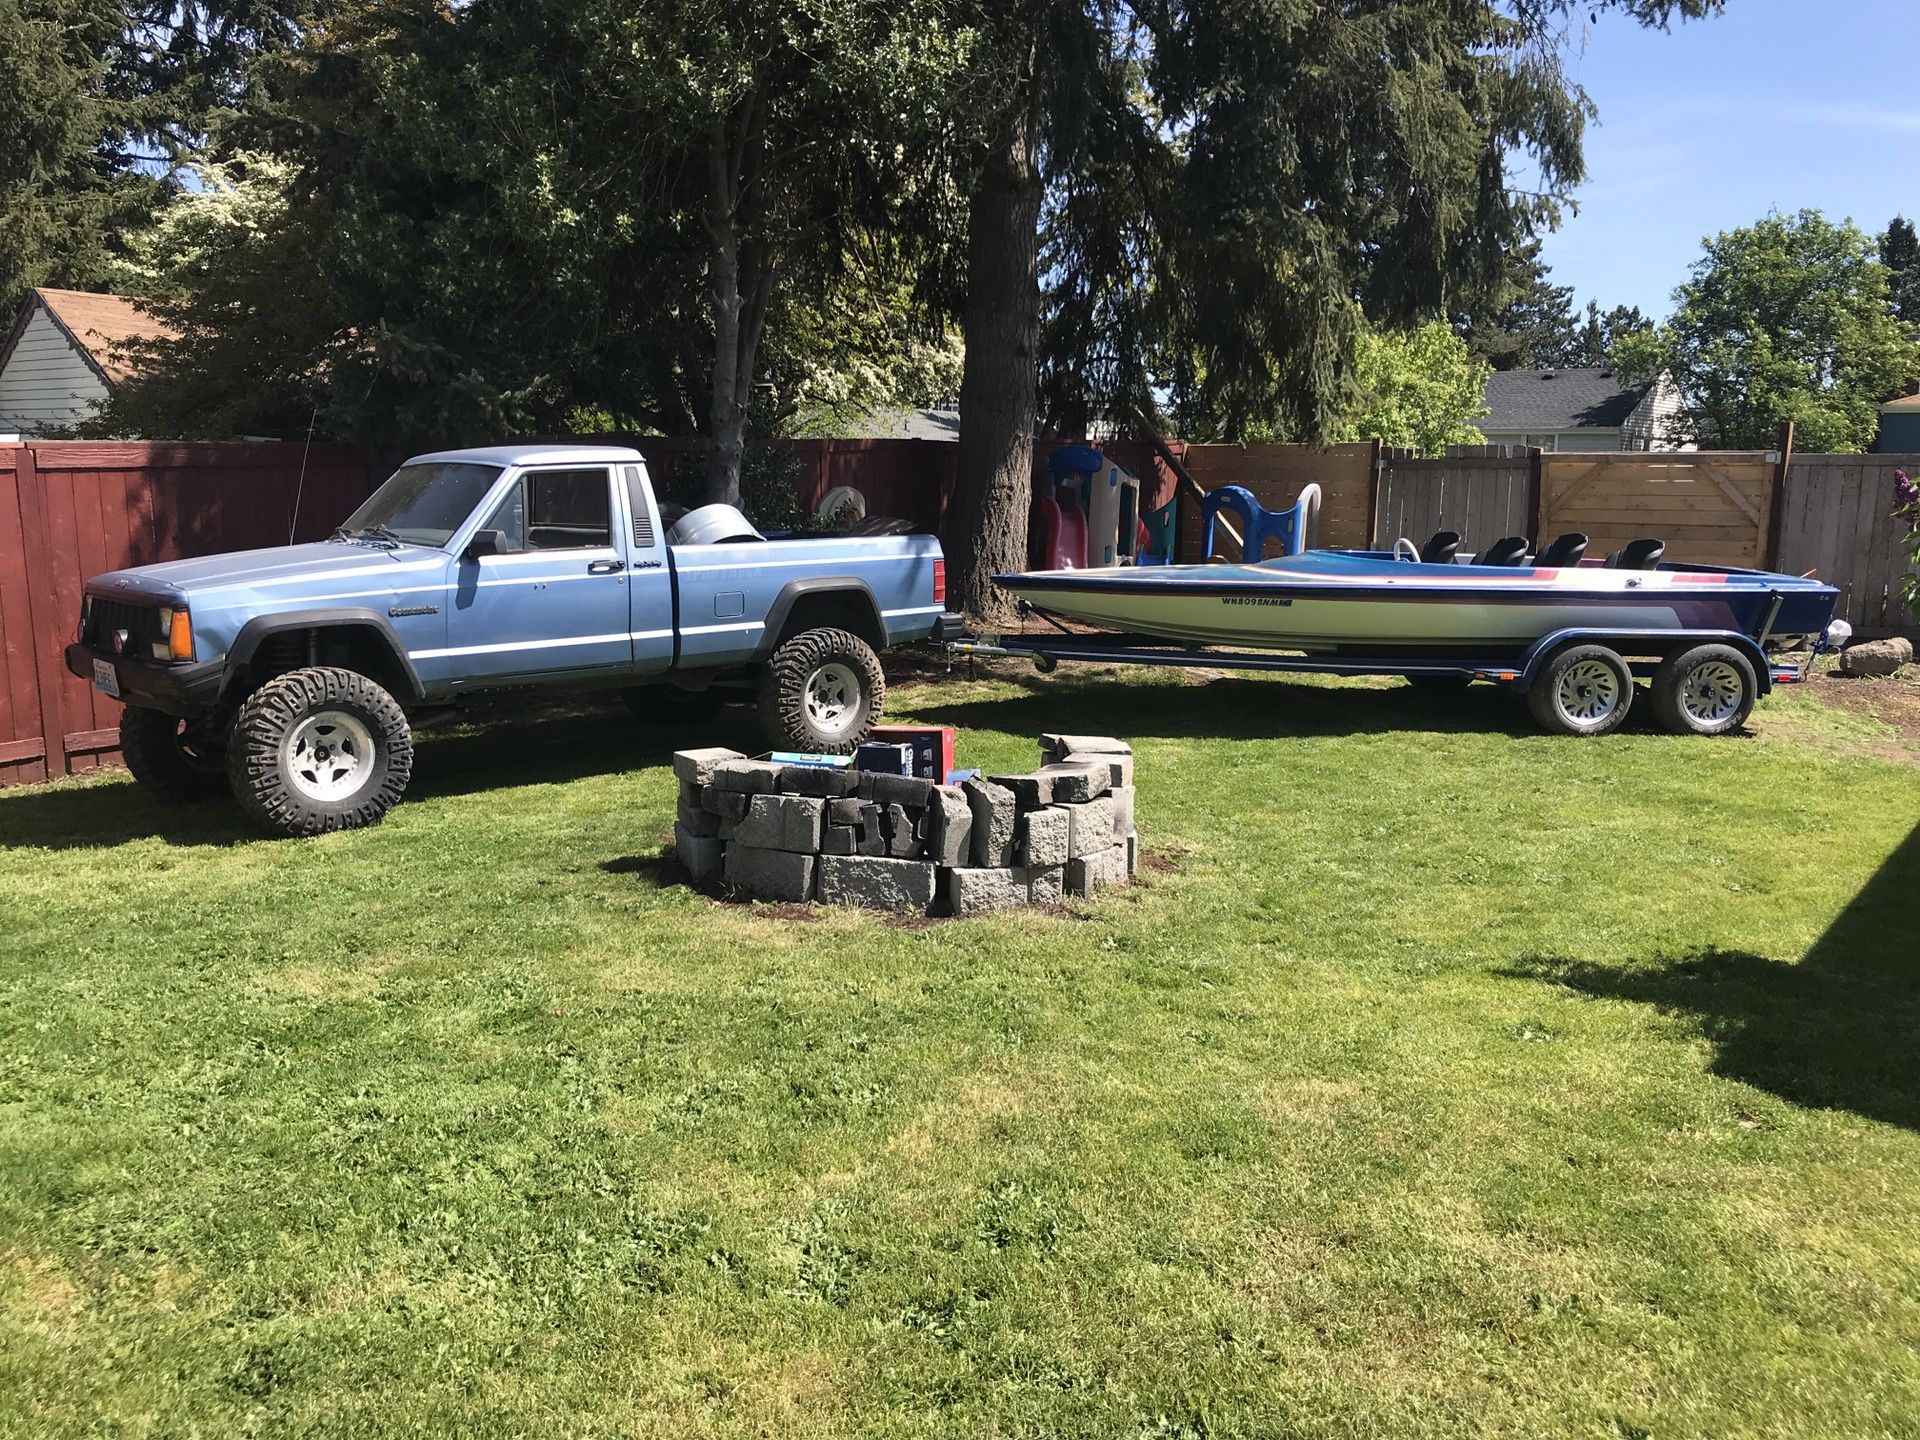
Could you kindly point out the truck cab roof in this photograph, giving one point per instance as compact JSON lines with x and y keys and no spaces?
{"x":533,"y":454}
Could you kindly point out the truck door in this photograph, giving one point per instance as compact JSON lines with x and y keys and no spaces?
{"x":650,"y":611}
{"x":553,"y":601}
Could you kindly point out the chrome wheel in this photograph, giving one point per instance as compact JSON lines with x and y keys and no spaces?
{"x":328,"y":756}
{"x":833,"y":698}
{"x":1589,"y":691}
{"x":1713,"y":692}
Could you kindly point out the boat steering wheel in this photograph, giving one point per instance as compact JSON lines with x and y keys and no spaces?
{"x":1405,"y":549}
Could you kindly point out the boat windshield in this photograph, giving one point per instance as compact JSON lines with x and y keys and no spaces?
{"x":422,"y":504}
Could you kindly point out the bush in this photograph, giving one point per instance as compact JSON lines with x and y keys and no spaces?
{"x":769,"y":487}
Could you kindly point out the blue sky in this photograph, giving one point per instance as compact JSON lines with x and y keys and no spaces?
{"x":1776,"y":104}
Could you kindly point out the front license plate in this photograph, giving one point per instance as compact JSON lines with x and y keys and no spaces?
{"x":105,"y":680}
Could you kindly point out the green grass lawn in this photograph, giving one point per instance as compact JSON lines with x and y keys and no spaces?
{"x":1442,"y":1078}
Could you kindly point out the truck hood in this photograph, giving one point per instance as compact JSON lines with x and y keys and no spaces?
{"x":255,"y":569}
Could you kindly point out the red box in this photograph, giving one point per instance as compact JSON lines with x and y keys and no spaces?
{"x":932,"y":747}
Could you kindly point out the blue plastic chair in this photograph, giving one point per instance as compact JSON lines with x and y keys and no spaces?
{"x":1260,"y":524}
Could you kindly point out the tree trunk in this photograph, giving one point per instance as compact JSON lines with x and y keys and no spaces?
{"x":727,"y":416}
{"x":740,"y":277}
{"x":986,"y":525}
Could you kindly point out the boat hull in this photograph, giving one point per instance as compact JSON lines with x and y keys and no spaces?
{"x":1333,"y":600}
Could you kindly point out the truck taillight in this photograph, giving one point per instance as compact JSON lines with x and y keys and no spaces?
{"x":939,"y":582}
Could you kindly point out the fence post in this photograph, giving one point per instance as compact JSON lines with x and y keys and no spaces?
{"x":1375,"y":461}
{"x":1536,"y":516}
{"x":44,"y":629}
{"x":1777,"y":496}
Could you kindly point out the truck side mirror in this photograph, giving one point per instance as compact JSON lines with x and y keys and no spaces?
{"x":485,"y":543}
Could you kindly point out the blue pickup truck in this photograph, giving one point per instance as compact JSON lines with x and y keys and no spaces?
{"x":287,"y":674}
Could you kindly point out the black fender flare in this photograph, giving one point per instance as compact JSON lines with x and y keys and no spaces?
{"x":263,"y":627}
{"x":794,"y":591}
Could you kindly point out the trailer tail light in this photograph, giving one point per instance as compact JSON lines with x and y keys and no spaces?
{"x":939,"y":582}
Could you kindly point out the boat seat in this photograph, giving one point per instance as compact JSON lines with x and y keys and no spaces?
{"x":1568,"y":550}
{"x":1637,"y":555}
{"x":1441,"y":549}
{"x":1510,"y":551}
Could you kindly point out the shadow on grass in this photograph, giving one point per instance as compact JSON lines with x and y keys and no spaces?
{"x":495,"y":745}
{"x":1234,"y":708}
{"x":1839,"y":1030}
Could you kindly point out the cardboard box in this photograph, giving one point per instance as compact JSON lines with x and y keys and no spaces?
{"x":932,"y":747}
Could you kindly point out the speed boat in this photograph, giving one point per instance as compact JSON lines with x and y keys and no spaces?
{"x":1425,"y":600}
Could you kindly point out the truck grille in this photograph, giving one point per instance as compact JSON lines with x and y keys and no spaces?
{"x":141,"y":622}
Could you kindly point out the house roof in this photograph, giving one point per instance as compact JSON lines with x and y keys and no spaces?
{"x":1902,"y":406}
{"x":98,"y":323}
{"x":1549,"y":400}
{"x":905,"y":425}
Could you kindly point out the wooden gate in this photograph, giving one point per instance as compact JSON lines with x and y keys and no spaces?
{"x":1711,"y":508}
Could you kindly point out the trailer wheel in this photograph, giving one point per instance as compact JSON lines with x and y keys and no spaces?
{"x":1707,"y":690}
{"x":821,"y":693}
{"x":1581,"y":690}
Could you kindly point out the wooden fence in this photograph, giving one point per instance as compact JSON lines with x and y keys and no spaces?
{"x":71,"y":510}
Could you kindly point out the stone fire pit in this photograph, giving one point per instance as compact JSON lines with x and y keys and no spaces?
{"x":894,"y":842}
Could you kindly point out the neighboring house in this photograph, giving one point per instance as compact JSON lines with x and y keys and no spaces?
{"x":1899,"y":427}
{"x":1582,"y":410}
{"x":59,"y":361}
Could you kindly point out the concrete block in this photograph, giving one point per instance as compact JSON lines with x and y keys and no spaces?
{"x":1030,"y":791}
{"x":1043,"y":838}
{"x":994,"y":812}
{"x":1056,"y":746}
{"x":1044,"y":887}
{"x":701,"y":854}
{"x":1089,"y":826}
{"x":909,"y":790}
{"x":783,"y":822}
{"x":901,"y":839}
{"x":840,"y":840}
{"x":1073,"y":784}
{"x":749,"y":777}
{"x":821,"y":782}
{"x":973,"y":891}
{"x":876,"y":884}
{"x":949,"y":826}
{"x":1096,"y":868}
{"x":696,"y":767}
{"x":727,"y":804}
{"x":1122,"y":797}
{"x":1119,"y":767}
{"x":873,"y":830}
{"x":694,"y":819}
{"x":845,"y":812}
{"x":770,"y":874}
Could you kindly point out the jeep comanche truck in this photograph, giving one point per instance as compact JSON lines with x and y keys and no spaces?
{"x":287,"y":674}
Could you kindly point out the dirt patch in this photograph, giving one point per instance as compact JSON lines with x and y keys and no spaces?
{"x":1894,"y":700}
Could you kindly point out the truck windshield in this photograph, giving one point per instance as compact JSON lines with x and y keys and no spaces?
{"x":423,"y":504}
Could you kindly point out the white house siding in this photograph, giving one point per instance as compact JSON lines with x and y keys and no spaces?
{"x":1589,"y":438}
{"x":46,"y":382}
{"x":1657,"y":422}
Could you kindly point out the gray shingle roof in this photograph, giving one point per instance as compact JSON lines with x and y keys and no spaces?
{"x":1545,"y":400}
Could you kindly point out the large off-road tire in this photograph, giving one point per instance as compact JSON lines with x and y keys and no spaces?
{"x":173,"y":759}
{"x":1581,"y":690}
{"x":669,"y":705}
{"x":1707,"y":690}
{"x":318,"y":750}
{"x":821,"y":693}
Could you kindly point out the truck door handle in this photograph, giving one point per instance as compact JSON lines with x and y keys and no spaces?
{"x":605,"y":567}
